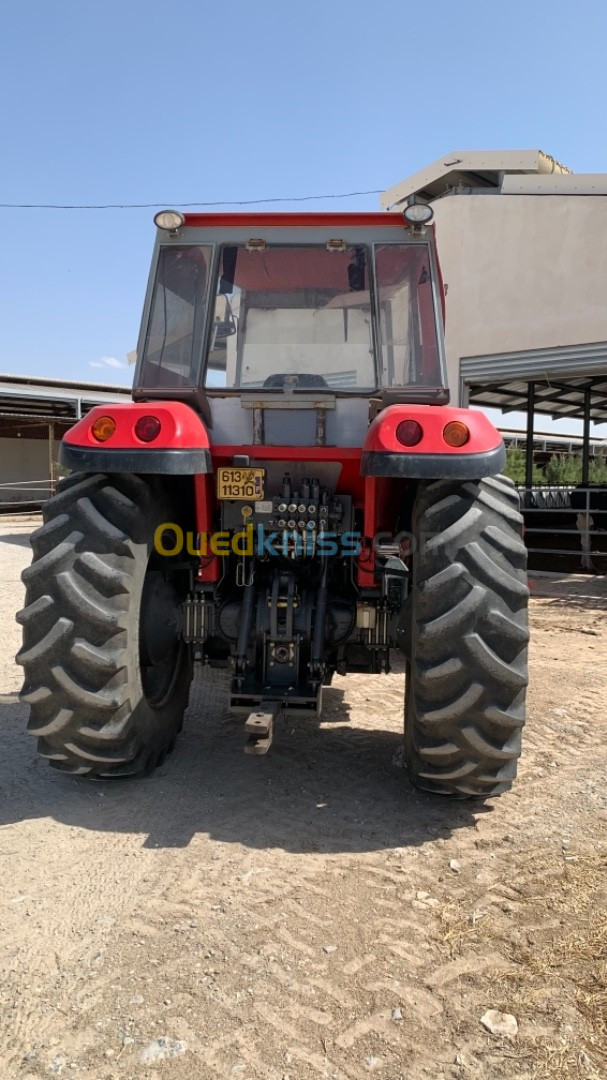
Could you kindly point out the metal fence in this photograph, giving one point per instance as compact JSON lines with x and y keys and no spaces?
{"x":560,"y":536}
{"x":24,"y":498}
{"x":29,"y":454}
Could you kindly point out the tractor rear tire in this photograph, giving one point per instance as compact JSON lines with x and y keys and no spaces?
{"x":467,"y":638}
{"x":107,"y":675}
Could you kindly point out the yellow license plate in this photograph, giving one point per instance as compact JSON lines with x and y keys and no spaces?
{"x":240,"y":483}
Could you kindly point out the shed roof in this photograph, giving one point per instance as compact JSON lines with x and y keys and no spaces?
{"x":558,"y":398}
{"x":29,"y":397}
{"x":562,"y":375}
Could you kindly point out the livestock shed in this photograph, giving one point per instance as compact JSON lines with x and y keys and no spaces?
{"x":34,"y":415}
{"x":523,"y":248}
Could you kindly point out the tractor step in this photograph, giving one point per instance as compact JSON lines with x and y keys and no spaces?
{"x":259,"y":727}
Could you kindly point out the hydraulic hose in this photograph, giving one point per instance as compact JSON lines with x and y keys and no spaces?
{"x":320,"y":618}
{"x":245,"y":627}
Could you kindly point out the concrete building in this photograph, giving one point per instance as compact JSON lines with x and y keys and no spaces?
{"x":523,"y":248}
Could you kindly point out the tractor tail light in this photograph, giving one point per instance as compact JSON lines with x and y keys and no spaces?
{"x":103,"y":428}
{"x":409,"y":432}
{"x":456,"y":433}
{"x":147,"y":428}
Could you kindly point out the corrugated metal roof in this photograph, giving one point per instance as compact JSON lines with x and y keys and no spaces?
{"x":51,"y":400}
{"x":63,"y":384}
{"x":561,"y":377}
{"x":565,"y":360}
{"x":554,"y":401}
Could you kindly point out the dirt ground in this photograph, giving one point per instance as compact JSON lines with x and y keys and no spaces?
{"x":308,"y":914}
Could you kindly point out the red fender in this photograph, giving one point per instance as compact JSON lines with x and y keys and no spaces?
{"x":432,"y":457}
{"x":182,"y":446}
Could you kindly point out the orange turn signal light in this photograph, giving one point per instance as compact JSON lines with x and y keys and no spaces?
{"x":103,"y":428}
{"x":456,"y":434}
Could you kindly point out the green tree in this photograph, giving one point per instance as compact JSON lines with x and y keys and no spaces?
{"x":564,"y":470}
{"x":597,"y":474}
{"x":516,"y":467}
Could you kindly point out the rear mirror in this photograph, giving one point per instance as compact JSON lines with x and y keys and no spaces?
{"x":228,"y":271}
{"x":224,"y":323}
{"x":356,"y":271}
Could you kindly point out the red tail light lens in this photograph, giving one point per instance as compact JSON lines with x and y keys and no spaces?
{"x":147,"y":428}
{"x":409,"y":432}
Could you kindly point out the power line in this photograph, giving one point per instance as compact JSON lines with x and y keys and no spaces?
{"x":185,"y":206}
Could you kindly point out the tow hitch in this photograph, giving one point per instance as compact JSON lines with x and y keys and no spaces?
{"x":259,"y":727}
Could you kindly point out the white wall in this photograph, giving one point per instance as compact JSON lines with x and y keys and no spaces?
{"x":21,"y":460}
{"x":523,"y":272}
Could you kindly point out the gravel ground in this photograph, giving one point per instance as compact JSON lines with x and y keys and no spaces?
{"x":308,"y":914}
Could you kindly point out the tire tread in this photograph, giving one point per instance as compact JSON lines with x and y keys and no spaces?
{"x":467,"y":668}
{"x":79,"y":667}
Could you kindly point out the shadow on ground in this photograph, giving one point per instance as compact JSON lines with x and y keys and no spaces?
{"x":329,"y":788}
{"x":576,"y":602}
{"x":21,"y":539}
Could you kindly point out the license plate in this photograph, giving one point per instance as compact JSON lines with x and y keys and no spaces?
{"x":240,"y":483}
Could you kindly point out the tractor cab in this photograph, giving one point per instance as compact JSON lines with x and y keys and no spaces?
{"x":340,"y":307}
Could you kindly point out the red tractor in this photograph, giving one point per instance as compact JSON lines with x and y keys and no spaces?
{"x":288,"y":495}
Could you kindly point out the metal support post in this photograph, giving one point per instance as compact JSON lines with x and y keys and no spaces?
{"x":586,"y":437}
{"x":530,"y":427}
{"x":51,"y":462}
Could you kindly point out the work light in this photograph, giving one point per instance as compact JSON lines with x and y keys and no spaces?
{"x":169,"y":220}
{"x":418,"y":213}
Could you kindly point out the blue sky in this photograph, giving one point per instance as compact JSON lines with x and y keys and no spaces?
{"x":137,"y":102}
